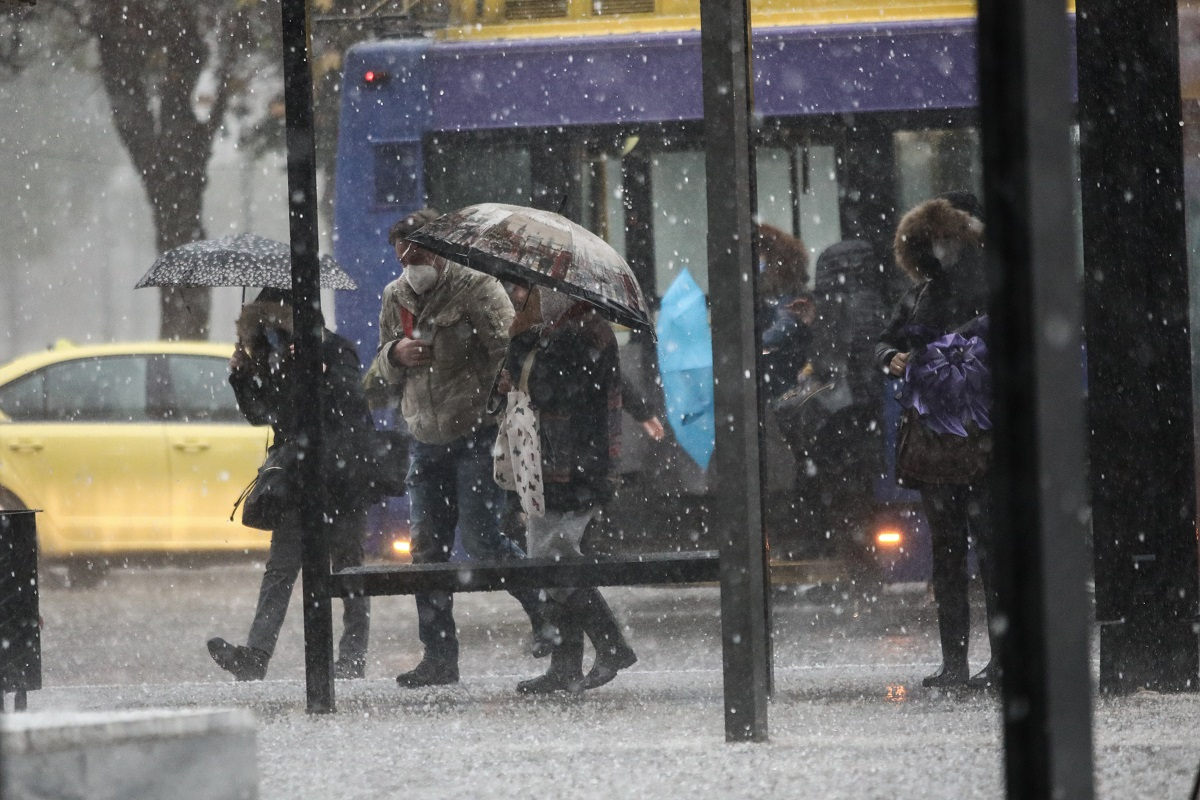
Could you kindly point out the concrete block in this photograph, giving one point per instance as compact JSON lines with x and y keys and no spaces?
{"x":199,"y":754}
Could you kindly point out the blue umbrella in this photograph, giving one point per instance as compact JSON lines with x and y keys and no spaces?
{"x":686,"y":365}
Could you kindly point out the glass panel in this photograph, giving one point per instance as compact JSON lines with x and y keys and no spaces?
{"x":23,"y":401}
{"x":680,"y":218}
{"x":200,"y":391}
{"x":460,"y":173}
{"x":109,"y":389}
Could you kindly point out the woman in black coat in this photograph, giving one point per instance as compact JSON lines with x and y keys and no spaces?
{"x":574,"y":384}
{"x":262,"y":373}
{"x":939,"y":244}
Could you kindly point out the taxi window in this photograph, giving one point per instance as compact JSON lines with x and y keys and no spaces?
{"x":108,"y":389}
{"x":21,"y":400}
{"x":200,"y":390}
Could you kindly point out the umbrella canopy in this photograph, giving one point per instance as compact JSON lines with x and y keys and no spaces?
{"x":686,"y":365}
{"x":529,"y":246}
{"x":243,"y":260}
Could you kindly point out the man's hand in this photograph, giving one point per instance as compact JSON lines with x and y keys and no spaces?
{"x":897,"y":364}
{"x":411,"y":353}
{"x":654,"y":429}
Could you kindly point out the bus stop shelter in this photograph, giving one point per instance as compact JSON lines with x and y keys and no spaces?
{"x":1138,"y":368}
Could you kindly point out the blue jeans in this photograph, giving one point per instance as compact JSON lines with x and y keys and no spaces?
{"x":449,"y":486}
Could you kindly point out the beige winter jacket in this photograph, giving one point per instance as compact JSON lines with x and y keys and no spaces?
{"x":465,"y":318}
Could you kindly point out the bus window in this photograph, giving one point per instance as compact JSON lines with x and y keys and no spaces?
{"x":461,"y":172}
{"x":930,"y":162}
{"x":680,"y":217}
{"x":604,"y":200}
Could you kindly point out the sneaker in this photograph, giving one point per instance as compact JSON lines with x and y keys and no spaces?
{"x":348,"y":669}
{"x":430,"y":672}
{"x":244,"y":663}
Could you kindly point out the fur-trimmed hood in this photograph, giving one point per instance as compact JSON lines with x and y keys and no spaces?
{"x":931,"y":238}
{"x":258,"y":317}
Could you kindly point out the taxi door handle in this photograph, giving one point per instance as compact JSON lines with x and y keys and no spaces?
{"x":191,"y":446}
{"x":26,"y":446}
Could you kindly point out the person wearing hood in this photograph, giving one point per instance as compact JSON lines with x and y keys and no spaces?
{"x":443,"y":334}
{"x":262,"y":374}
{"x":572,"y":364}
{"x":939,"y":245}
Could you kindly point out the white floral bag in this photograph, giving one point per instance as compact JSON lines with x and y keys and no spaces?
{"x":517,"y":456}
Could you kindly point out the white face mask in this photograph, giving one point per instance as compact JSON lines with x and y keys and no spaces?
{"x":421,"y":277}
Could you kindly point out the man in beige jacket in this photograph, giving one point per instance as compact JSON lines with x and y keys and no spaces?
{"x":443,"y":333}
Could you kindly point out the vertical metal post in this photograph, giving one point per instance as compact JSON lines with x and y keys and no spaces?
{"x":306,"y":295}
{"x":1139,"y":360}
{"x":728,"y":100}
{"x":1040,"y":503}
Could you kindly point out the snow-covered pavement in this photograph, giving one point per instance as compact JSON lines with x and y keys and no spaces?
{"x":849,"y":718}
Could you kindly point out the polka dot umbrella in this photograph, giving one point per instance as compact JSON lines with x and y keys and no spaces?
{"x":243,"y":260}
{"x":530,"y":246}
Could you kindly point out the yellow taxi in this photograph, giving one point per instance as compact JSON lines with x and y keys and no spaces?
{"x":127,"y":449}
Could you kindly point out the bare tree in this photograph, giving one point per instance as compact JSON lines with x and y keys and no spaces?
{"x":171,"y":71}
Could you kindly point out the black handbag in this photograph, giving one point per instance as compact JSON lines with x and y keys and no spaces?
{"x":925,"y":456}
{"x":271,"y":494}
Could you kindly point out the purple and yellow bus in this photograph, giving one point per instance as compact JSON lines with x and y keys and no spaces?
{"x":594,"y":108}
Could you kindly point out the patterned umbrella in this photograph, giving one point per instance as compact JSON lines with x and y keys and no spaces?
{"x":528,"y":246}
{"x":243,"y":260}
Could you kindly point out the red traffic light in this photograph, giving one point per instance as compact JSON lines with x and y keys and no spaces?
{"x":374,"y":77}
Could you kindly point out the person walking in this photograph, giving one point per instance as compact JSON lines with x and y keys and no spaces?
{"x":262,"y":373}
{"x":569,"y":365}
{"x":939,"y":244}
{"x":443,"y":333}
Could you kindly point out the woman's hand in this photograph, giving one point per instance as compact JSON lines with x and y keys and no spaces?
{"x":897,"y":364}
{"x":803,"y":309}
{"x":411,"y":353}
{"x":504,"y":382}
{"x":240,"y":358}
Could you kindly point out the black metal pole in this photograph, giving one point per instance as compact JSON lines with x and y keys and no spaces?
{"x":306,"y":297}
{"x":728,"y":100}
{"x":1139,"y":358}
{"x":1040,"y":502}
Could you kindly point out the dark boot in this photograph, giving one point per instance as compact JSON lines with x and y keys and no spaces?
{"x":987,"y":679}
{"x":345,"y":669}
{"x":244,"y":663}
{"x":566,"y":663}
{"x":955,"y":671}
{"x":430,"y":672}
{"x":545,"y":636}
{"x":613,"y":653}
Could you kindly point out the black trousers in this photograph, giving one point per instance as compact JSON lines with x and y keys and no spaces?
{"x":283,"y":567}
{"x":959,"y":514}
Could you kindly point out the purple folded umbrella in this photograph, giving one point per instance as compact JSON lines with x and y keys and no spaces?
{"x":949,"y":384}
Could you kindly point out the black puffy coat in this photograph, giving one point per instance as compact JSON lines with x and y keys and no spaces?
{"x":264,"y":392}
{"x":940,"y":245}
{"x":849,"y":315}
